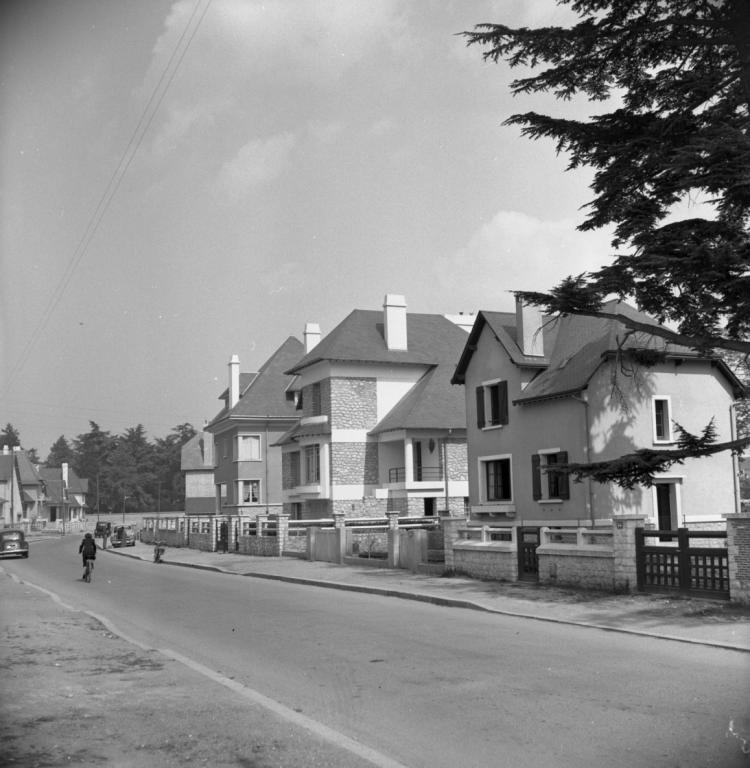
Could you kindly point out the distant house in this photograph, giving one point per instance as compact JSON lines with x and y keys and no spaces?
{"x":197,"y":464}
{"x":11,"y":504}
{"x":381,"y":427}
{"x":585,"y":389}
{"x":258,"y":409}
{"x":64,"y":494}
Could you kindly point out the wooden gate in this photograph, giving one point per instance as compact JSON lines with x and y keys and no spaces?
{"x":528,"y":563}
{"x":671,"y":564}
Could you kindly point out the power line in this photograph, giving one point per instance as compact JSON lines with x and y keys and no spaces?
{"x":147,"y":117}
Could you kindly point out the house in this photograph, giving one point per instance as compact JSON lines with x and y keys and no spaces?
{"x":64,"y":494}
{"x":32,"y":489}
{"x":11,"y":505}
{"x":197,"y":464}
{"x":258,"y":409}
{"x":381,"y":427}
{"x":540,"y":392}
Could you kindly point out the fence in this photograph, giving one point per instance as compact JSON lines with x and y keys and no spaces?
{"x":601,"y":557}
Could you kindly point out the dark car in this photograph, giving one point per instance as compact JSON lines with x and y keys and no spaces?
{"x":13,"y":543}
{"x":123,"y":536}
{"x":102,"y":529}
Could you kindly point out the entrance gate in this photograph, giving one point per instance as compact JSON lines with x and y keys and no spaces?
{"x":671,"y":564}
{"x":528,"y":563}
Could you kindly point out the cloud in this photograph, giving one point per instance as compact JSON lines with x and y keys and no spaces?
{"x":256,"y":163}
{"x":515,"y":251}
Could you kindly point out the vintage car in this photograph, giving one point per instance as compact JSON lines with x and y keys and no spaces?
{"x":13,"y":544}
{"x":122,"y":536}
{"x":102,"y":529}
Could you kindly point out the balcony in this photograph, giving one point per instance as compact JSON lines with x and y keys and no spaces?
{"x":421,"y":474}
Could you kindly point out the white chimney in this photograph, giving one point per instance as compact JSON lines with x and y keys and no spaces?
{"x":394,"y":310}
{"x":529,"y":336}
{"x":312,"y":336}
{"x":208,"y":448}
{"x":64,"y":469}
{"x":234,"y":381}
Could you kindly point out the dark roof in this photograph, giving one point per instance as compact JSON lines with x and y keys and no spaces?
{"x":575,"y":347}
{"x":26,"y":470}
{"x":304,"y":430}
{"x":52,"y":479}
{"x":432,"y":403}
{"x":360,"y":337}
{"x":193,"y":454}
{"x":265,"y":395}
{"x":6,"y":464}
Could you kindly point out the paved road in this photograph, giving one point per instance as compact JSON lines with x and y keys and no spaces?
{"x":422,"y":684}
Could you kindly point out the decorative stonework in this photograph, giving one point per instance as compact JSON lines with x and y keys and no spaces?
{"x":353,"y":403}
{"x":354,"y":463}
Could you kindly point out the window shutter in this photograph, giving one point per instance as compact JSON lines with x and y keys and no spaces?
{"x":480,"y":407}
{"x":536,"y":477}
{"x":564,"y":481}
{"x":503,"y":402}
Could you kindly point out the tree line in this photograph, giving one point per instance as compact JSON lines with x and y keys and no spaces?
{"x":124,"y":472}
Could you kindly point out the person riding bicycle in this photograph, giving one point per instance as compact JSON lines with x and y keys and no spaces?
{"x":87,"y":549}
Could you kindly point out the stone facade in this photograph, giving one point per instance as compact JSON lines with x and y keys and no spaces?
{"x":457,"y":459}
{"x":353,"y":403}
{"x":738,"y":549}
{"x":354,"y":463}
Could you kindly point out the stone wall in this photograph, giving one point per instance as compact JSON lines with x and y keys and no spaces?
{"x":353,"y":403}
{"x":589,"y":568}
{"x":489,"y":562}
{"x":263,"y":546}
{"x":354,"y":463}
{"x":738,"y":550}
{"x":457,"y":459}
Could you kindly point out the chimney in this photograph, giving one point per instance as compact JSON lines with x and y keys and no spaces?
{"x":234,"y":381}
{"x":64,"y":470}
{"x":208,"y":449}
{"x":312,"y":336}
{"x":394,"y":311}
{"x":529,"y":334}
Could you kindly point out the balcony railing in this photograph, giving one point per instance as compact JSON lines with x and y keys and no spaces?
{"x":398,"y":474}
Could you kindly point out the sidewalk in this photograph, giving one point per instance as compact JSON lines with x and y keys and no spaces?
{"x":685,"y":619}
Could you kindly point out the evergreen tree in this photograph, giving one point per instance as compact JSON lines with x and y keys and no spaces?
{"x":10,"y":436}
{"x":676,"y":75}
{"x":60,"y":453}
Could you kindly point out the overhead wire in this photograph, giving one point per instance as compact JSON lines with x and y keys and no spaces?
{"x":147,"y":116}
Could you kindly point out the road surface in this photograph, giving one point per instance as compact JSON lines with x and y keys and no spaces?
{"x":425,"y":686}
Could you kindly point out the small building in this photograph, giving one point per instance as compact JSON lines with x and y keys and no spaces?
{"x":197,"y":464}
{"x":64,"y":495}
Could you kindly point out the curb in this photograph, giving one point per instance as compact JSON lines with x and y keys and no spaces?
{"x":446,"y":602}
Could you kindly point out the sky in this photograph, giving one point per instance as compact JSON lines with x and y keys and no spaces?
{"x":185,"y":181}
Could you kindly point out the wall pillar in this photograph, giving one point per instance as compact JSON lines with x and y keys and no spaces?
{"x":394,"y":539}
{"x":282,"y":533}
{"x":625,"y":576}
{"x":339,"y":524}
{"x":450,"y":526}
{"x":738,"y":551}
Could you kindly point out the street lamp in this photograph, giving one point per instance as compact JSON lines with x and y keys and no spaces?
{"x":123,"y":506}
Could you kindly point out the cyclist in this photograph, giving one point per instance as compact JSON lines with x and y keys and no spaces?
{"x":88,"y":551}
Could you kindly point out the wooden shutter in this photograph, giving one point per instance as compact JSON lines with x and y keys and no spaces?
{"x":564,"y":477}
{"x":480,"y":407}
{"x":502,"y":396}
{"x":536,"y":477}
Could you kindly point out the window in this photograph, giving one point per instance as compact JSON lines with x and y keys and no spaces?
{"x":248,"y":448}
{"x":221,"y":492}
{"x":316,"y":409}
{"x":492,"y":404}
{"x":312,"y":464}
{"x":296,"y":511}
{"x":547,"y":483}
{"x":497,"y":480}
{"x":248,"y":491}
{"x":294,"y":469}
{"x":662,"y":420}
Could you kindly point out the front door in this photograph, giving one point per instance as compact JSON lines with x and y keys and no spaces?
{"x":664,"y":508}
{"x":528,"y":564}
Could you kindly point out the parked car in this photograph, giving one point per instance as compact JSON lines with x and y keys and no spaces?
{"x":123,"y":536}
{"x":13,"y":543}
{"x":102,"y":529}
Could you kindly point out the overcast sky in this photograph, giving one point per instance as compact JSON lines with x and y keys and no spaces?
{"x":184,"y":181}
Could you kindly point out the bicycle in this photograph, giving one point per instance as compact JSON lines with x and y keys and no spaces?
{"x":88,"y":568}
